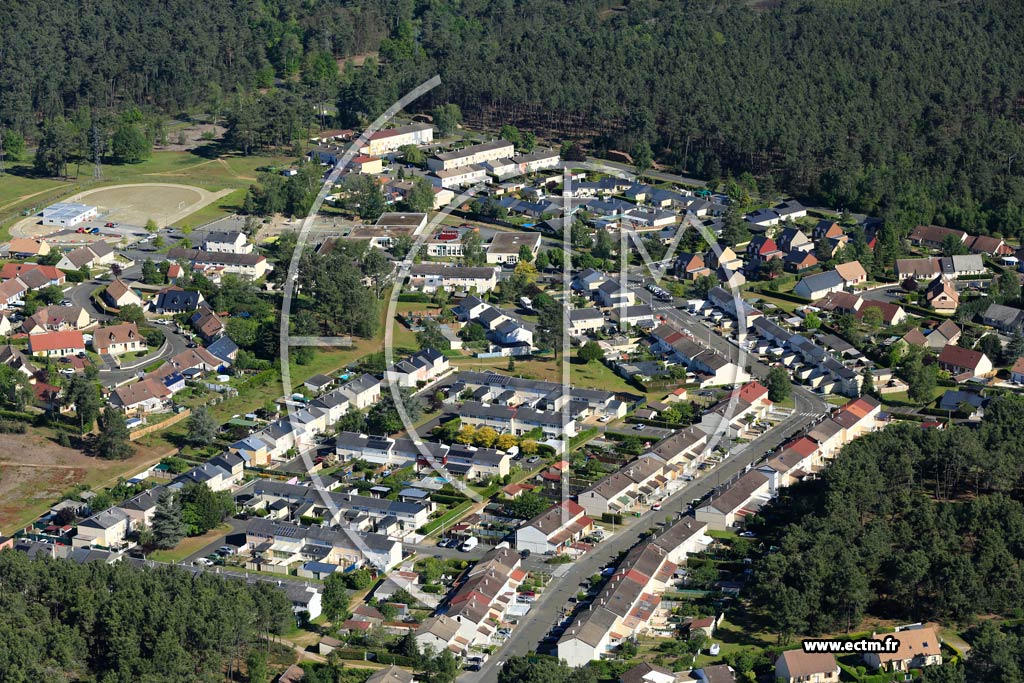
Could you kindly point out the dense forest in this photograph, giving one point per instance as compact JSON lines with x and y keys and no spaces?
{"x":907,"y":523}
{"x":907,"y":109}
{"x":62,"y":621}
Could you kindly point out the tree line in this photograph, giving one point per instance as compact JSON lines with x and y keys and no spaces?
{"x":117,"y":623}
{"x":906,"y":523}
{"x":887,"y":116}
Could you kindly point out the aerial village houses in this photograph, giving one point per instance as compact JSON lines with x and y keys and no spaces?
{"x":119,"y":294}
{"x":797,"y":666}
{"x":391,"y":139}
{"x":56,"y":344}
{"x":554,"y":529}
{"x":919,"y":647}
{"x":964,"y":363}
{"x":118,"y":339}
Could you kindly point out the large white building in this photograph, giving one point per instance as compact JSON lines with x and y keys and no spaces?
{"x":68,"y":214}
{"x":384,"y":141}
{"x":475,"y":154}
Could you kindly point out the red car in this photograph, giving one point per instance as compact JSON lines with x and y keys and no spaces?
{"x":80,"y":230}
{"x":108,"y":225}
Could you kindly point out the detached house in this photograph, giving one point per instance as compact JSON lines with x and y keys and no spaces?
{"x":816,"y":286}
{"x":797,"y":666}
{"x":941,"y":294}
{"x":56,"y":344}
{"x":793,"y":239}
{"x":423,"y":366}
{"x":934,"y":236}
{"x":959,"y":361}
{"x":853,"y":273}
{"x":177,"y":300}
{"x":919,"y":647}
{"x":118,"y":294}
{"x":118,"y":339}
{"x":148,"y":395}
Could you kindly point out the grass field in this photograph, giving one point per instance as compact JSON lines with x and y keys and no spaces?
{"x":189,"y":545}
{"x":20,"y":189}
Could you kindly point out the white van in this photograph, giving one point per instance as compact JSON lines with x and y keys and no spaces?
{"x":469,"y":544}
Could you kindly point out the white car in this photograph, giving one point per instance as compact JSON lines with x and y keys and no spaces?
{"x":203,"y":562}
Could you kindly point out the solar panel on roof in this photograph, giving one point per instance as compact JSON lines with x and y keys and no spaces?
{"x":497,"y":380}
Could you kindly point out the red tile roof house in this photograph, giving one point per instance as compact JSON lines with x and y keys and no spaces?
{"x":964,"y":363}
{"x":51,"y":275}
{"x":118,"y":339}
{"x":56,"y":344}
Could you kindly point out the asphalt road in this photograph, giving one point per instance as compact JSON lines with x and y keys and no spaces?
{"x":550,"y":608}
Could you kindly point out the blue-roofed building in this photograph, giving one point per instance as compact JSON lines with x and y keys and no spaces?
{"x":224,"y":349}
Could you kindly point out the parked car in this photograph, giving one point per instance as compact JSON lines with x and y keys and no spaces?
{"x":108,"y":225}
{"x":530,"y":461}
{"x":203,"y":562}
{"x":640,"y":428}
{"x":94,"y":231}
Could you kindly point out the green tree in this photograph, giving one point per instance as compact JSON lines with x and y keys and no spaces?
{"x":256,"y":665}
{"x":131,"y":313}
{"x":201,"y":428}
{"x":129,"y":145}
{"x":13,"y":145}
{"x":421,"y":196}
{"x":84,"y":395}
{"x":54,"y":148}
{"x":151,"y":226}
{"x":778,"y":384}
{"x":430,"y":336}
{"x":412,"y":154}
{"x":527,"y":505}
{"x":113,"y":443}
{"x":335,"y":599}
{"x":151,"y":274}
{"x":203,"y":509}
{"x":168,"y":529}
{"x":473,"y":253}
{"x":510,"y":133}
{"x":590,"y":351}
{"x":643,"y":158}
{"x":447,"y":118}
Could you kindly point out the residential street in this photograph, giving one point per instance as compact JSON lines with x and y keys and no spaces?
{"x":547,"y":611}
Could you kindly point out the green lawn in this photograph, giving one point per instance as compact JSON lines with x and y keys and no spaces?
{"x":231,"y":171}
{"x":189,"y":545}
{"x":901,"y":400}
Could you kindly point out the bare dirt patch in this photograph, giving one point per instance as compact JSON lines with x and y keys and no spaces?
{"x":35,"y":472}
{"x":190,"y":138}
{"x":132,"y":204}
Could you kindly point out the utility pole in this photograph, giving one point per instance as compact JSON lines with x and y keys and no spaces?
{"x":2,"y":132}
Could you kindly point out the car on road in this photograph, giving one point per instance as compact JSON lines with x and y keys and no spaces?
{"x":67,"y":302}
{"x":203,"y":562}
{"x":525,"y":553}
{"x":656,"y":507}
{"x":109,"y":225}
